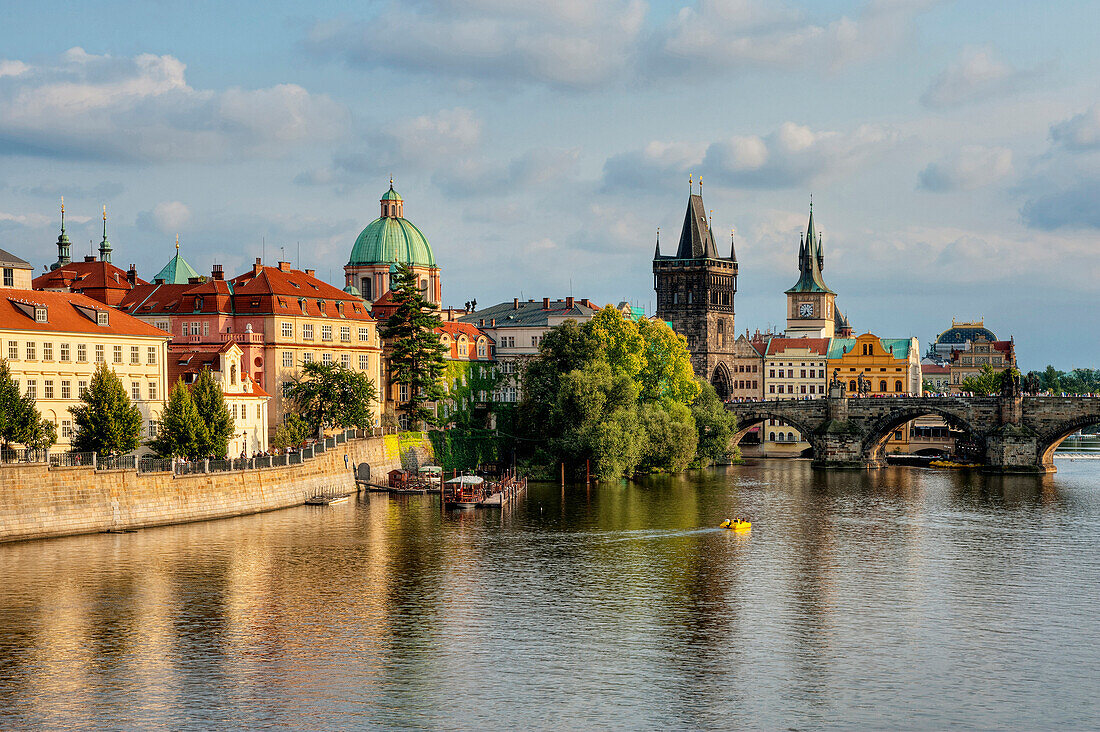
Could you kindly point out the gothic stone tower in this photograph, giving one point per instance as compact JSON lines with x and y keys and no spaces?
{"x":695,"y":290}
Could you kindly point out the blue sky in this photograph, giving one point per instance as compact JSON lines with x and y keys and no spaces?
{"x":952,"y":148}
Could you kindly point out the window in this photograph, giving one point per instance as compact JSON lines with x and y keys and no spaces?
{"x":403,"y":392}
{"x":803,"y":372}
{"x":780,"y":388}
{"x":32,"y":388}
{"x":897,"y":386}
{"x":508,"y":342}
{"x":81,"y":387}
{"x":195,"y":328}
{"x":288,"y":359}
{"x":771,"y":436}
{"x":781,"y":373}
{"x":482,"y":349}
{"x":64,"y":351}
{"x":152,"y":391}
{"x":535,"y":341}
{"x":364,"y":334}
{"x":135,"y":354}
{"x":206,"y":328}
{"x":326,"y":358}
{"x":307,"y":331}
{"x":151,"y":355}
{"x":345,"y":360}
{"x":286,"y":388}
{"x":13,"y":350}
{"x":66,"y":429}
{"x":803,"y":390}
{"x":882,"y":386}
{"x":32,"y":353}
{"x":9,"y":277}
{"x":135,"y":390}
{"x":771,"y":388}
{"x":66,"y":390}
{"x":287,"y":330}
{"x":235,"y":415}
{"x":259,"y":411}
{"x":47,"y":389}
{"x":364,"y":362}
{"x":152,"y":428}
{"x":326,"y":332}
{"x":40,"y":315}
{"x":233,"y":374}
{"x":81,"y":353}
{"x":116,"y":354}
{"x":183,"y":328}
{"x":102,"y":318}
{"x":345,"y":333}
{"x":771,"y":373}
{"x":307,"y":358}
{"x":47,"y":352}
{"x":163,"y":325}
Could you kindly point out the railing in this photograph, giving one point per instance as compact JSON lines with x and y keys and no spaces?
{"x":73,"y":460}
{"x":117,"y":462}
{"x":28,"y":455}
{"x":154,"y":465}
{"x":190,"y":467}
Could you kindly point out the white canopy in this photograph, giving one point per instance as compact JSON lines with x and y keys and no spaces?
{"x":467,"y":480}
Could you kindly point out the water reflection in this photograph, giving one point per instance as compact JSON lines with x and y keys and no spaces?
{"x":902,"y":597}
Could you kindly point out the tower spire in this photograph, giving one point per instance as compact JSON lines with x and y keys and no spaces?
{"x":63,"y":244}
{"x":105,"y":245}
{"x":657,"y":251}
{"x":733,"y":250}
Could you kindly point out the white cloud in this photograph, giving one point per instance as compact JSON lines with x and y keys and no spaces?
{"x":977,"y":74}
{"x":167,"y":217}
{"x":1080,"y":132}
{"x":971,"y":167}
{"x":25,"y":219}
{"x":12,"y":68}
{"x":792,"y":155}
{"x":142,"y":109}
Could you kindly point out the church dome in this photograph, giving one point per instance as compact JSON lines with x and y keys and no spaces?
{"x":391,"y":238}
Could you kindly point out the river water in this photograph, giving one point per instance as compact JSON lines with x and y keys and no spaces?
{"x":902,"y":598}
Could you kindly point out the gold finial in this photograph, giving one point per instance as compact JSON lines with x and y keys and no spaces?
{"x":391,"y":181}
{"x":104,"y":212}
{"x":62,"y":204}
{"x":177,"y":243}
{"x":700,"y":185}
{"x":691,"y":185}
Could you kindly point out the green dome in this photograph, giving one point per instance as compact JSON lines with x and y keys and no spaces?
{"x":391,"y":195}
{"x":389,"y":239}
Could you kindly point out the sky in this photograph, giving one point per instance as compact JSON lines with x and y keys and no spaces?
{"x":952,"y":149}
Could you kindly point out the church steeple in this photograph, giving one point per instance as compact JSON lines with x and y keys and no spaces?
{"x":657,"y":249}
{"x":105,"y":245}
{"x":696,"y":238}
{"x":810,"y":260}
{"x":392,"y":204}
{"x":63,"y":244}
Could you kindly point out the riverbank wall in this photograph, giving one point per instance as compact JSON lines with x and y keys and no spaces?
{"x":39,"y":501}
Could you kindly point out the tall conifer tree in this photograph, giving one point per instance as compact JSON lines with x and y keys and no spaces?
{"x":181,"y":432}
{"x":416,"y":356}
{"x":210,"y":403}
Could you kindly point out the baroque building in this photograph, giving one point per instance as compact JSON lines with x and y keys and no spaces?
{"x":695,"y":293}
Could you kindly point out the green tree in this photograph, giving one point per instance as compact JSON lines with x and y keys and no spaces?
{"x":331,"y":395}
{"x":214,"y":413}
{"x":715,"y":424}
{"x":41,"y":436}
{"x":106,"y":420}
{"x":416,"y":354}
{"x":986,"y":382}
{"x":671,"y":436}
{"x":666,"y":367}
{"x":18,"y":413}
{"x":182,"y":432}
{"x":293,"y":431}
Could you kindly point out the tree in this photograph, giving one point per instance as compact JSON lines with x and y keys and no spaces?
{"x":986,"y":382}
{"x":293,"y":431}
{"x":42,"y":435}
{"x":666,"y":367}
{"x":715,"y":424}
{"x":416,"y":354}
{"x":182,"y":432}
{"x":331,"y":395}
{"x":106,"y":420}
{"x":18,"y":414}
{"x":210,"y":403}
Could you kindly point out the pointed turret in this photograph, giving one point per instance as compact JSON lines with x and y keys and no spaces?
{"x":810,"y":259}
{"x":63,"y":244}
{"x":657,"y":249}
{"x":177,"y":271}
{"x":105,"y":245}
{"x":813,"y":240}
{"x":733,"y":249}
{"x":696,"y":238}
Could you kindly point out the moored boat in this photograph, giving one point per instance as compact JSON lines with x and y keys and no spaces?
{"x":464,"y":491}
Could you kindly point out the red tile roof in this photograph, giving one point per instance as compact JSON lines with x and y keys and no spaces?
{"x":934,"y":368}
{"x":472,"y":332}
{"x":271,"y":290}
{"x":67,"y":313}
{"x":818,"y":346}
{"x":101,"y":280}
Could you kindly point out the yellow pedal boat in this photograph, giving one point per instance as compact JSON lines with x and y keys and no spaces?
{"x":736,"y":525}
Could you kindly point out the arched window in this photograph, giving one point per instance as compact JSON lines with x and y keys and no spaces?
{"x":771,"y":436}
{"x":233,"y":374}
{"x":852,"y":386}
{"x":365,"y":284}
{"x":882,"y":386}
{"x":897,"y":386}
{"x":790,"y":437}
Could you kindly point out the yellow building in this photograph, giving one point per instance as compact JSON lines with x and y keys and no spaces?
{"x":53,"y":342}
{"x":794,"y":368}
{"x":16,"y":273}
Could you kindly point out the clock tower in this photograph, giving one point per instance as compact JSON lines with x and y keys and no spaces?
{"x":811,"y":305}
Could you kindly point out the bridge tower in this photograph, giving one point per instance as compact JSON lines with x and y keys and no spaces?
{"x":695,"y":290}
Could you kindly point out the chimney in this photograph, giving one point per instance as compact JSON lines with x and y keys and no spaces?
{"x":492,"y":322}
{"x":284,"y":266}
{"x":131,"y":275}
{"x":216,"y":272}
{"x":89,"y":258}
{"x":515,"y":303}
{"x":158,"y":281}
{"x":569,"y":302}
{"x":311,"y":272}
{"x":545,"y":303}
{"x":258,"y":267}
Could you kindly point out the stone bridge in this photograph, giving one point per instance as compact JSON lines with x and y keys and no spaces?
{"x":1018,"y":434}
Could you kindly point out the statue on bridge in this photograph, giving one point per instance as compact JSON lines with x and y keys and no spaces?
{"x":1010,"y":383}
{"x":863,"y":384}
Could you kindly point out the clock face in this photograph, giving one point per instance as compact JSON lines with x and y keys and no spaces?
{"x":806,"y":310}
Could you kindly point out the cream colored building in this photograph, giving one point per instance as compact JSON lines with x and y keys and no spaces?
{"x":15,"y":273}
{"x":794,"y":368}
{"x":54,"y":341}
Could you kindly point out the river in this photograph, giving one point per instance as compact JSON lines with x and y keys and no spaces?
{"x":902,"y":598}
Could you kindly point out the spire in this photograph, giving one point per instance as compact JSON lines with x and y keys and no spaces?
{"x":177,"y":244}
{"x":657,"y":251}
{"x":696,"y":238}
{"x":733,"y":250}
{"x":810,"y":260}
{"x":105,"y":245}
{"x":63,"y":244}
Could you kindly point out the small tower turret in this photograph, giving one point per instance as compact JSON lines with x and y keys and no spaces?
{"x":63,"y":245}
{"x":105,"y":245}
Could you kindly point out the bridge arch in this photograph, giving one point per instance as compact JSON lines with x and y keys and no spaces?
{"x":760,"y":413}
{"x":879,"y":430}
{"x":722,"y":381}
{"x":1049,"y":441}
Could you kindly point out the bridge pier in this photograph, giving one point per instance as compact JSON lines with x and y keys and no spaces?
{"x":1013,"y":449}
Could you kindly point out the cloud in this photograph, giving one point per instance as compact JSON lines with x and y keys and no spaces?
{"x":1074,"y":206}
{"x":972,"y":167}
{"x":1080,"y":132}
{"x":792,"y":155}
{"x":473,"y":176}
{"x":12,"y":68}
{"x":976,"y":75}
{"x":571,"y":44}
{"x":562,"y":43}
{"x":167,"y":217}
{"x":141,"y":109}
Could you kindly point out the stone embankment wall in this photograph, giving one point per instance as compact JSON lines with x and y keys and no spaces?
{"x":37,"y":501}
